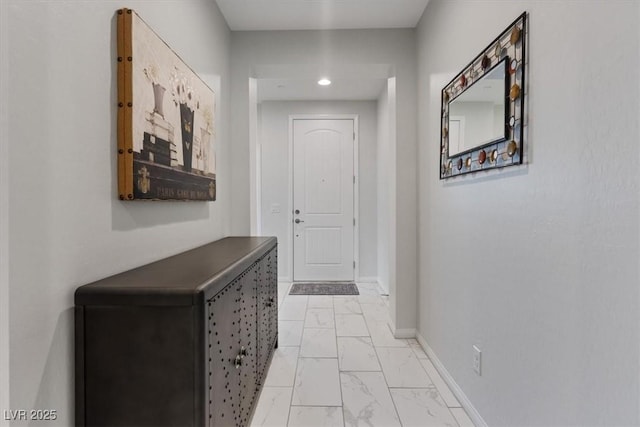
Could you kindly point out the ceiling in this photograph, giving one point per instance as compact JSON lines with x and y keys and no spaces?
{"x":308,"y":89}
{"x":299,"y":82}
{"x":252,"y":15}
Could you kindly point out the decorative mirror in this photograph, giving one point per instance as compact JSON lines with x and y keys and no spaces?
{"x":483,"y":108}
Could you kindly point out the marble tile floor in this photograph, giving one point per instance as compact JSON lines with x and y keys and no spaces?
{"x":339,"y":365}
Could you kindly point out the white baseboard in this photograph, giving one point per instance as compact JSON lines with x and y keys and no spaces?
{"x":455,"y":388}
{"x":400,"y":333}
{"x":404,"y":333}
{"x":286,"y":279}
{"x":383,"y":287}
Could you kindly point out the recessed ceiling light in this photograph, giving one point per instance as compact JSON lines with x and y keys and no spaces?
{"x":324,"y":82}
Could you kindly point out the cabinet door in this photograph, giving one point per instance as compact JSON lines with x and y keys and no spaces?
{"x":138,"y":366}
{"x":248,"y":343}
{"x":264,"y":319}
{"x":271,"y":283}
{"x":224,"y":333}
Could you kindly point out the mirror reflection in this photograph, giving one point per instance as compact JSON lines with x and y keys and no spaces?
{"x":477,"y":116}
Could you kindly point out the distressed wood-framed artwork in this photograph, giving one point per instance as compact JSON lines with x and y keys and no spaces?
{"x":483,"y":108}
{"x":166,"y":120}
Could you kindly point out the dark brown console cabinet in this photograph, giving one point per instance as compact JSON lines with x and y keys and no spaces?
{"x":185,"y":341}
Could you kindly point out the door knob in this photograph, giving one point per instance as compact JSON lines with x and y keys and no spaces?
{"x":298,"y":221}
{"x":297,"y":211}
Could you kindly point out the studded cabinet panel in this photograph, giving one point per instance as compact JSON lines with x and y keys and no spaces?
{"x":248,"y":343}
{"x":234,"y":367}
{"x":224,"y":333}
{"x":263,"y":323}
{"x":267,"y":311}
{"x":271,"y":282}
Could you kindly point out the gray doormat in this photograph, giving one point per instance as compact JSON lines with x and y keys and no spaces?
{"x":324,"y":288}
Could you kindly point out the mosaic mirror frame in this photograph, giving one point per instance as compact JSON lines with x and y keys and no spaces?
{"x":509,"y":46}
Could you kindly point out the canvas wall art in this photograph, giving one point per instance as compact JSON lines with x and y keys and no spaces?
{"x":166,"y":120}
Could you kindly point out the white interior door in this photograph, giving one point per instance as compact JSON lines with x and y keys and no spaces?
{"x":323,"y":192}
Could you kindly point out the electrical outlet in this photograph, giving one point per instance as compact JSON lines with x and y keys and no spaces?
{"x":477,"y":360}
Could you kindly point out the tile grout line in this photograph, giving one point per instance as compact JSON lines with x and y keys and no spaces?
{"x":434,"y":384}
{"x":291,"y":405}
{"x":443,"y":382}
{"x":335,"y":329}
{"x":375,"y":350}
{"x":395,"y":407}
{"x":411,"y":388}
{"x":295,"y":375}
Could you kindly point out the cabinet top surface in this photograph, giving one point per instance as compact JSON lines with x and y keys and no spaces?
{"x":186,"y":274}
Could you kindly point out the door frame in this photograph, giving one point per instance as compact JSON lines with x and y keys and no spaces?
{"x":356,"y":185}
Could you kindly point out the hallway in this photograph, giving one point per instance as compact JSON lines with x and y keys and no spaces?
{"x":338,"y":364}
{"x":536,"y":265}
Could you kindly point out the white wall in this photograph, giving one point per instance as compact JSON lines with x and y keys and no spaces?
{"x":346,"y":47}
{"x":67,"y":225}
{"x":539,"y":265}
{"x":383,"y":187}
{"x":387,"y":122}
{"x":274,"y":148}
